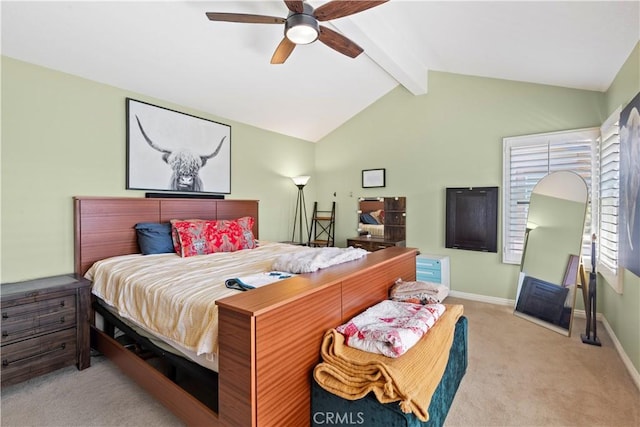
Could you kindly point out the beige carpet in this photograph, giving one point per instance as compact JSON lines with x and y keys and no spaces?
{"x":520,"y":374}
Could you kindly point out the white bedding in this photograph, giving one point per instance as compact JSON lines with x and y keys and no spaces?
{"x":376,"y":230}
{"x":314,"y":259}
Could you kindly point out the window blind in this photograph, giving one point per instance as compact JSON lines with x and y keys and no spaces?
{"x":608,"y":189}
{"x":529,"y":158}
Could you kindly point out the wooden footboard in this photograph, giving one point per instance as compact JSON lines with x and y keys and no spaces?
{"x":182,"y":404}
{"x":270,"y":337}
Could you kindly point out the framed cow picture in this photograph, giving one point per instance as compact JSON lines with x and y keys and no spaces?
{"x":172,"y":151}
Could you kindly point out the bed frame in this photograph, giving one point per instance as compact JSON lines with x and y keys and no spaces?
{"x":269,"y":338}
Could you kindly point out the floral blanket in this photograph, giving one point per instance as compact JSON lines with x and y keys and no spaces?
{"x":390,"y":327}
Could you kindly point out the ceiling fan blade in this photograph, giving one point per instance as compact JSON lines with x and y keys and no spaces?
{"x":339,"y":42}
{"x":295,"y":6}
{"x":338,"y":8}
{"x":245,"y":18}
{"x":283,"y":51}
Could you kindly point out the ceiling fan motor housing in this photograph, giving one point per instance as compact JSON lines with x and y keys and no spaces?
{"x":302,"y":28}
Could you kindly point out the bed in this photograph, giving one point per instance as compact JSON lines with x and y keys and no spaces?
{"x":263,"y":374}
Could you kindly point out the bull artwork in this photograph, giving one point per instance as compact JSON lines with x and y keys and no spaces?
{"x":185,"y":164}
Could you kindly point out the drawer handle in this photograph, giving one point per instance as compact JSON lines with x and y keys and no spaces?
{"x":5,"y":333}
{"x":62,"y":303}
{"x":5,"y":315}
{"x":6,"y":362}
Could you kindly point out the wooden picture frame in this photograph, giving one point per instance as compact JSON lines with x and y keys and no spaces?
{"x":373,"y":178}
{"x":172,"y":151}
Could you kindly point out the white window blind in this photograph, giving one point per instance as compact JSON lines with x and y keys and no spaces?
{"x":526,"y":160}
{"x":608,"y":192}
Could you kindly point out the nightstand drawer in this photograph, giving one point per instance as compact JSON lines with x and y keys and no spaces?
{"x":429,"y":275}
{"x":36,"y":356}
{"x":38,"y":317}
{"x":428,"y":263}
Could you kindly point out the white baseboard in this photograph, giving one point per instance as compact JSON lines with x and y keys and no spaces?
{"x":482,"y":298}
{"x":635,"y":376}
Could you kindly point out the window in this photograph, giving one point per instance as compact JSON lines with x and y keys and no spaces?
{"x":607,"y":193}
{"x":526,"y":160}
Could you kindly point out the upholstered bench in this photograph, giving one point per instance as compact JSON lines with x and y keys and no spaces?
{"x":329,"y":409}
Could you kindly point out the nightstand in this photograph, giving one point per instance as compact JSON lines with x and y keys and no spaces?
{"x":45,"y":326}
{"x":433,"y":268}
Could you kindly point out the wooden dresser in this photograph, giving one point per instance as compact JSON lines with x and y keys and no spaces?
{"x":45,"y":326}
{"x":372,"y":244}
{"x":395,"y":213}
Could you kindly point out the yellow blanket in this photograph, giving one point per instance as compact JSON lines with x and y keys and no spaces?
{"x":410,"y":379}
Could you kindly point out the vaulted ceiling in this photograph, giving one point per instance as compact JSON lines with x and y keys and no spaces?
{"x":171,"y":51}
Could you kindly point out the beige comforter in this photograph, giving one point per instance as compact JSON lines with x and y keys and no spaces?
{"x":174,"y":297}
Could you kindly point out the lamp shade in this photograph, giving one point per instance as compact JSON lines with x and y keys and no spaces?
{"x":301,"y":180}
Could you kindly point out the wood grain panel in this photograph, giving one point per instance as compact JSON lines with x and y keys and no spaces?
{"x":362,"y":291}
{"x":83,"y":323}
{"x":401,"y":270}
{"x":104,"y":227}
{"x":187,"y":209}
{"x":188,"y":408}
{"x":236,"y":368}
{"x":288,"y":348}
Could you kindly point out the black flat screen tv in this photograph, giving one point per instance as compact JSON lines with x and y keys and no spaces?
{"x":472,"y":218}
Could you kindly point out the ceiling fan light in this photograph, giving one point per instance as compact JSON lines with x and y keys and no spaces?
{"x":301,"y":28}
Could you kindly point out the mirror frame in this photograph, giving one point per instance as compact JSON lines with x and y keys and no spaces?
{"x":567,"y":193}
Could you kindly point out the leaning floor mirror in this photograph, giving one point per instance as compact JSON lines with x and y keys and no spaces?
{"x":552,"y":247}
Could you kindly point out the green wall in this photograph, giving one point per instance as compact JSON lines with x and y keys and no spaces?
{"x":64,"y":136}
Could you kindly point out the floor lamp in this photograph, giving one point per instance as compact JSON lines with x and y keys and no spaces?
{"x":300,"y":182}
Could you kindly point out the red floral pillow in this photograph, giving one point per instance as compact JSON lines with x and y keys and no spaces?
{"x":202,"y":237}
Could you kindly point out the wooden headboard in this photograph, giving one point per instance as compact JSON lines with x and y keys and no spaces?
{"x":104,"y":226}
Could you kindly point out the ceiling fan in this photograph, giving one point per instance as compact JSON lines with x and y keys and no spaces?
{"x":302,"y":26}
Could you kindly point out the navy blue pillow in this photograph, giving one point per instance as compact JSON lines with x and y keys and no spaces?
{"x":366,"y":218}
{"x":154,"y":238}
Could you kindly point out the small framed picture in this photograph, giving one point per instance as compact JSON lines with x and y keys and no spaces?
{"x":372,"y":178}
